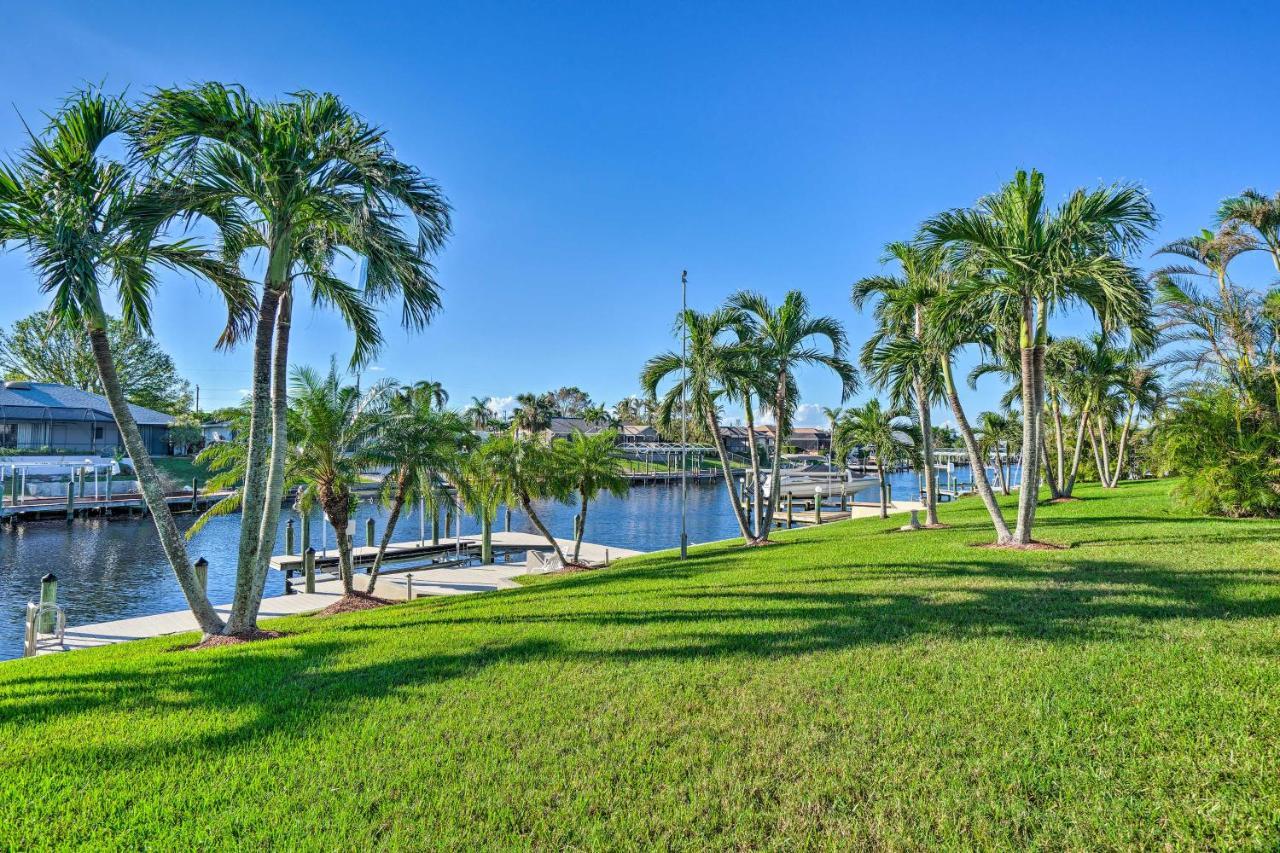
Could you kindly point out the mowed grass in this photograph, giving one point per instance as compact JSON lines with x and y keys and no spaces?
{"x":851,"y":688}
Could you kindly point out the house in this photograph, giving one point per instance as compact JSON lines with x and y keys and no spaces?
{"x":810,"y":440}
{"x":565,"y":427}
{"x":217,"y":432}
{"x":638,"y":434}
{"x":64,"y":419}
{"x":736,"y":439}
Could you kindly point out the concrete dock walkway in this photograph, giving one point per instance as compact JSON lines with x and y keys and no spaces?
{"x":457,"y":580}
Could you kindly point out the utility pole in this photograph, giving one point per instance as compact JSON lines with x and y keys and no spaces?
{"x":684,"y":416}
{"x":197,"y":400}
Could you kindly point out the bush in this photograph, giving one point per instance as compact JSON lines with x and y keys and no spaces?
{"x":1227,"y":451}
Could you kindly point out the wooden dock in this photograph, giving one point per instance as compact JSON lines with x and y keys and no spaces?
{"x":128,"y":503}
{"x":810,"y":517}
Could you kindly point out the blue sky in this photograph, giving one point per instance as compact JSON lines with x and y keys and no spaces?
{"x":592,"y":151}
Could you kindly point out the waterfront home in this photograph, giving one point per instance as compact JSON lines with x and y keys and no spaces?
{"x":565,"y":427}
{"x":216,"y":432}
{"x":61,"y":419}
{"x":638,"y":434}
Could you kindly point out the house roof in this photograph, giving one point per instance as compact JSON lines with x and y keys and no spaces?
{"x":638,"y":429}
{"x":47,"y":401}
{"x":567,"y":426}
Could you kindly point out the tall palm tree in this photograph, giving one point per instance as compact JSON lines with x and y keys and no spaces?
{"x":709,"y":368}
{"x":432,"y":392}
{"x":335,"y":441}
{"x":525,"y":470}
{"x":1027,"y":260}
{"x":908,"y":370}
{"x":591,"y":464}
{"x":1259,"y":212}
{"x":423,"y":444}
{"x":889,"y":430}
{"x":87,"y":221}
{"x":299,"y":182}
{"x":478,"y":413}
{"x":533,"y":413}
{"x":952,"y":324}
{"x":832,"y":414}
{"x":790,"y":336}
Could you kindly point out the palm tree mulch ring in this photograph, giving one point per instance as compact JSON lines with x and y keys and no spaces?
{"x":218,"y":640}
{"x":353,"y":602}
{"x":1017,"y":546}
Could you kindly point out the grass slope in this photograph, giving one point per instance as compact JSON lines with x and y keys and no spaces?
{"x":853,"y":687}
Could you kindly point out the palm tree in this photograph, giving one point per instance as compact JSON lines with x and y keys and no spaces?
{"x":86,"y":221}
{"x":432,"y":391}
{"x":895,"y":355}
{"x":710,"y":367}
{"x":591,"y":464}
{"x":832,"y":414}
{"x":1026,"y":260}
{"x":996,"y":429}
{"x":533,"y":413}
{"x":1259,"y":212}
{"x":478,"y":413}
{"x":888,"y":430}
{"x":423,"y":444}
{"x":526,"y":469}
{"x":787,"y":337}
{"x":950,"y":325}
{"x":335,"y":441}
{"x":300,"y":182}
{"x":481,"y":491}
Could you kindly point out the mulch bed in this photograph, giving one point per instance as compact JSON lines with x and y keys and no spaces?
{"x":1065,"y":500}
{"x":759,"y":543}
{"x":354,"y":603}
{"x":218,"y":640}
{"x":578,"y":567}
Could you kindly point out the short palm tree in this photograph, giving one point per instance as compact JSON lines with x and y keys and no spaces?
{"x":533,"y":413}
{"x":87,"y":221}
{"x":591,"y":464}
{"x":1025,"y":260}
{"x":336,"y":439}
{"x":423,"y":444}
{"x":996,"y":429}
{"x":888,"y":430}
{"x":300,"y":182}
{"x":525,"y":469}
{"x":711,"y":365}
{"x":789,"y":336}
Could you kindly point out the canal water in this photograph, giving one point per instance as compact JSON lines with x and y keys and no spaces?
{"x":115,"y":569}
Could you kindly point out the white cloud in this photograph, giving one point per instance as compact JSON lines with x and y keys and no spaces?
{"x":810,"y":415}
{"x":377,"y":368}
{"x":502,"y":406}
{"x":244,"y":392}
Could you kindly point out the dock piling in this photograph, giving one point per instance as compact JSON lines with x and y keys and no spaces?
{"x":790,"y":510}
{"x":288,"y":538}
{"x":306,"y":531}
{"x":508,"y":527}
{"x":202,"y":573}
{"x":71,"y":499}
{"x":195,"y":494}
{"x":368,"y":532}
{"x":48,"y":595}
{"x":309,"y":569}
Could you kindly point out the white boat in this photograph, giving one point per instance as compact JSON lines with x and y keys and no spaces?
{"x":802,"y":474}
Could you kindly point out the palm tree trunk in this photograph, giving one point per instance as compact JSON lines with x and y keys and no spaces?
{"x":757,"y":488}
{"x":1097,"y":457}
{"x":781,"y":425}
{"x":243,"y":615}
{"x":1048,"y":468}
{"x":884,"y":488}
{"x":1029,"y":491}
{"x":926,"y":441}
{"x":1124,"y":441}
{"x":1075,"y":455}
{"x":926,"y":433}
{"x":274,"y":493}
{"x":1057,"y":440}
{"x":977,"y":464}
{"x":345,"y":570}
{"x":175,"y":549}
{"x":397,"y":504}
{"x":1107,"y":482}
{"x":582,"y":527}
{"x":744,"y":526}
{"x":527,"y":506}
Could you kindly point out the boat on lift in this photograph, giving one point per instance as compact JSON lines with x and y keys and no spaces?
{"x":802,"y":474}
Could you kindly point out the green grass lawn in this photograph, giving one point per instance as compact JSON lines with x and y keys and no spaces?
{"x":180,"y":469}
{"x":851,"y":688}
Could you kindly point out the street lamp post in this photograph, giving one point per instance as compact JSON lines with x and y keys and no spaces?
{"x":684,"y":415}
